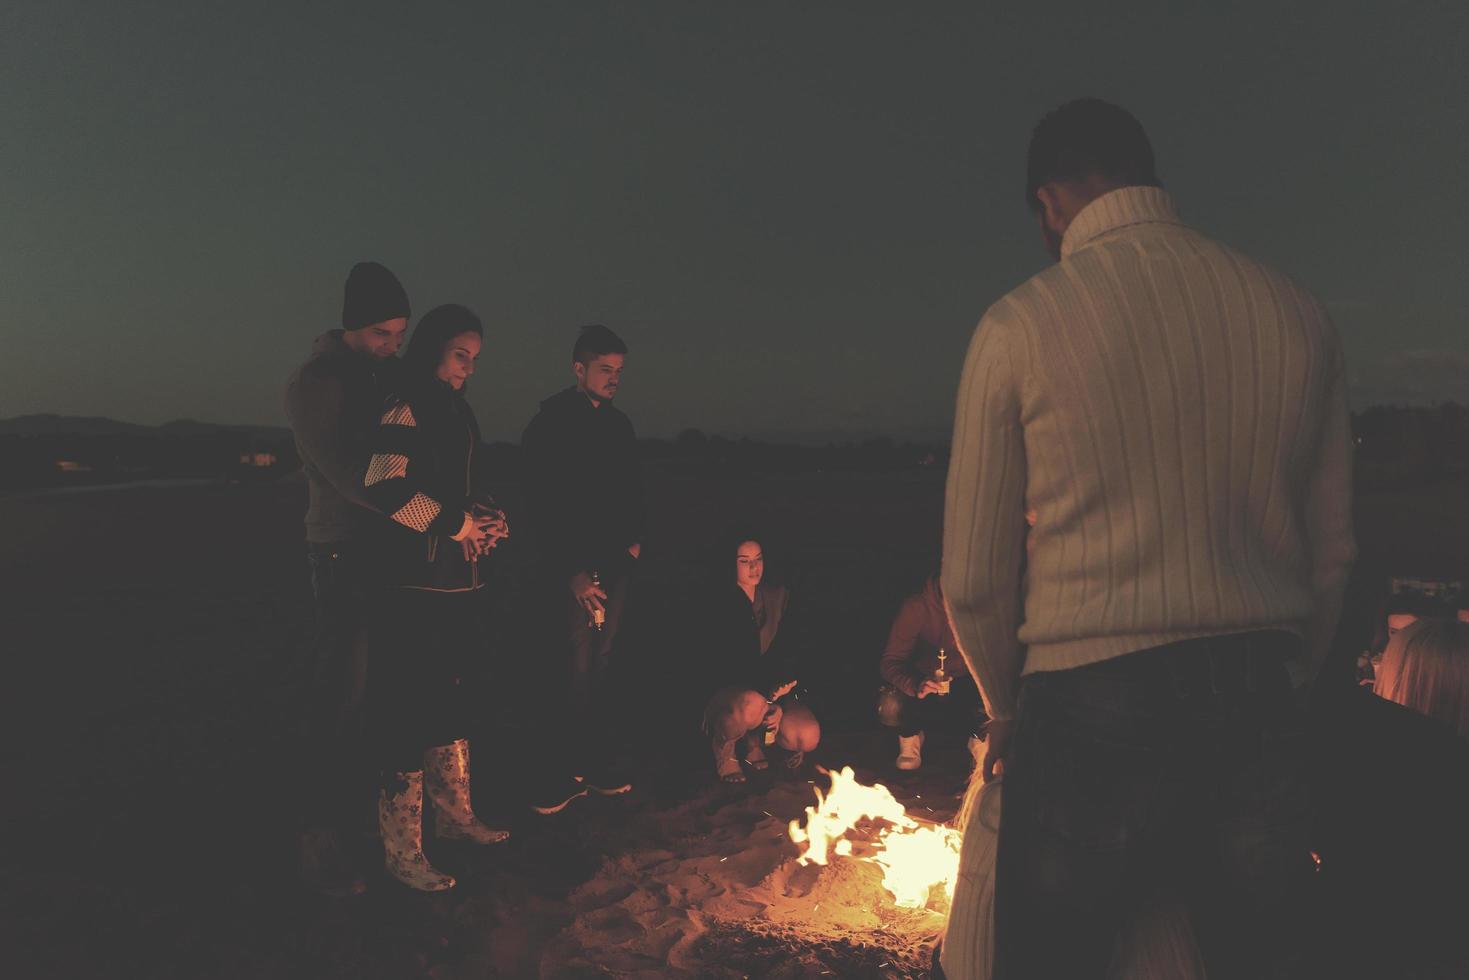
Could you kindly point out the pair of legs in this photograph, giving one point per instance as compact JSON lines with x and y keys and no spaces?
{"x":582,"y":730}
{"x":736,"y":717}
{"x":1176,"y":769}
{"x":959,"y":713}
{"x":336,"y":781}
{"x":422,"y":645}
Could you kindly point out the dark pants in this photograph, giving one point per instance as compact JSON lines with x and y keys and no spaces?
{"x":337,"y":785}
{"x":1179,"y":765}
{"x":585,"y":729}
{"x":591,"y":648}
{"x":423,"y":645}
{"x":959,"y":713}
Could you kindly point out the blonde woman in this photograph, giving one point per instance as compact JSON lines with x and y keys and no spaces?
{"x":1426,"y":668}
{"x":1391,"y":794}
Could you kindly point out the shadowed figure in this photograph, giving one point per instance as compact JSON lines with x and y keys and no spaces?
{"x":333,"y":401}
{"x":754,"y":666}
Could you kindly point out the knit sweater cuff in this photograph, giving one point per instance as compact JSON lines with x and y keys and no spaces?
{"x":464,"y":528}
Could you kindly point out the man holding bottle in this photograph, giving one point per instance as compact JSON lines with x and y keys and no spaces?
{"x":926,"y":684}
{"x":584,"y":505}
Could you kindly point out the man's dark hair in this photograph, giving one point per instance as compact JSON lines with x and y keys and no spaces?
{"x":1084,"y":138}
{"x":595,"y":340}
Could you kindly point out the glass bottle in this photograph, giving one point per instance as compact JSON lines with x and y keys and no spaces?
{"x":599,"y":614}
{"x":770,"y":729}
{"x":939,"y":677}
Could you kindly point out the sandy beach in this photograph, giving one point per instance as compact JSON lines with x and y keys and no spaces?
{"x":156,"y":639}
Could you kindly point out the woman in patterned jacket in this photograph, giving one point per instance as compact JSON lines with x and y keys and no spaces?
{"x":438,"y":526}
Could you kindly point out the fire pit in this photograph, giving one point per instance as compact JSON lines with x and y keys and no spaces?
{"x":728,"y":885}
{"x":919,"y":861}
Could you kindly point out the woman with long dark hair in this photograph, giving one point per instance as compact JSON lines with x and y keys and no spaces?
{"x":439,"y":524}
{"x":754,"y":665}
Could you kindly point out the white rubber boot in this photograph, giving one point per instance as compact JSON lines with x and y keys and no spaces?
{"x":400,"y":821}
{"x":446,"y":774}
{"x":910,"y":751}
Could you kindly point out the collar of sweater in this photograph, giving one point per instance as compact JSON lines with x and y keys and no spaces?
{"x":1118,"y":209}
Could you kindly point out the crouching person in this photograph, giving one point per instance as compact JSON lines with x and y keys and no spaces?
{"x":753,"y":707}
{"x":439,"y":527}
{"x":926,"y":685}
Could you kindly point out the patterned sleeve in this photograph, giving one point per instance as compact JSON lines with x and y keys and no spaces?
{"x":390,"y":483}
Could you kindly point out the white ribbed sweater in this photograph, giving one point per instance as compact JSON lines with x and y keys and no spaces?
{"x":1174,"y":414}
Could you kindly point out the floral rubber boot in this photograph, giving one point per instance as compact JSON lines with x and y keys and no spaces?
{"x":400,"y":821}
{"x":446,"y":772}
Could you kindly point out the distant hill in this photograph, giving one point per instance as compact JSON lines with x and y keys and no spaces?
{"x":68,"y":425}
{"x":87,"y":425}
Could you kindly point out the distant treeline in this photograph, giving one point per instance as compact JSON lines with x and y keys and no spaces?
{"x":52,"y":459}
{"x":693,"y":453}
{"x":1398,"y":445}
{"x":1395,"y":445}
{"x":67,"y":459}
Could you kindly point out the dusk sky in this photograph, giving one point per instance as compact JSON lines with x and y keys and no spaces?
{"x":793,"y":212}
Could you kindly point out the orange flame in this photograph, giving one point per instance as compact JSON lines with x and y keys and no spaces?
{"x":913,"y":857}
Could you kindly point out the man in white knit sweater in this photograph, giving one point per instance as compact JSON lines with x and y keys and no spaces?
{"x":1173,"y":414}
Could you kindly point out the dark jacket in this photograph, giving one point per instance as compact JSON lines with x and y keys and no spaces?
{"x":333,"y":402}
{"x":748,"y":646}
{"x":423,"y":478}
{"x":583,"y":488}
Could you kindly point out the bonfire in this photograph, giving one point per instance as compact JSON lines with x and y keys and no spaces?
{"x":852,"y":821}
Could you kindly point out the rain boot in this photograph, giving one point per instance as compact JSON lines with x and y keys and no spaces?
{"x":400,"y":821}
{"x":446,"y":771}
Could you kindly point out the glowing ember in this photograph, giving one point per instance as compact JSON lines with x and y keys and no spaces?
{"x":913,"y":857}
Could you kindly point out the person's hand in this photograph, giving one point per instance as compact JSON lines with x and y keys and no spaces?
{"x":589,"y":594}
{"x":493,"y":520}
{"x":495,"y":532}
{"x":474,"y":540}
{"x":996,"y":747}
{"x":927,"y":687}
{"x":773,"y":715}
{"x":782,"y":691}
{"x":635,"y":549}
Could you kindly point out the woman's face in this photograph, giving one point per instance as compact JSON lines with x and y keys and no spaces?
{"x":457,"y":364}
{"x":749,"y":564}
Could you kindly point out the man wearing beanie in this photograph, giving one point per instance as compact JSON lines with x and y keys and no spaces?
{"x":333,"y":402}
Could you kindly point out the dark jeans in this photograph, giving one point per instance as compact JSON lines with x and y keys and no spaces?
{"x":591,"y":649}
{"x":337,"y":784}
{"x":959,"y":713}
{"x":1179,"y":765}
{"x":423,"y":646}
{"x":585,"y":729}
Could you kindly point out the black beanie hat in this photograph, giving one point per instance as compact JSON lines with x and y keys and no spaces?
{"x":372,"y":295}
